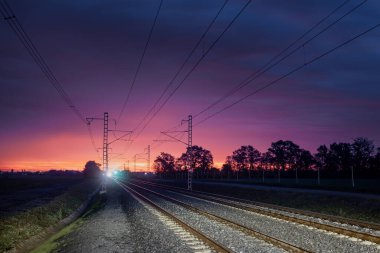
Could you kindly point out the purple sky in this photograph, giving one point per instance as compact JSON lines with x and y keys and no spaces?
{"x":93,"y":48}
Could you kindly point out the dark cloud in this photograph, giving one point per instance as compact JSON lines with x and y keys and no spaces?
{"x":93,"y":48}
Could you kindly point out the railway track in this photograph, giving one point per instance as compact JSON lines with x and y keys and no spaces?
{"x":239,"y":227}
{"x":196,"y":240}
{"x":272,"y":211}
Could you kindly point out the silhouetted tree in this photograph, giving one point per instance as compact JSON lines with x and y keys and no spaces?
{"x":180,"y":166}
{"x":227,"y":167}
{"x":321,"y":157}
{"x":92,"y":169}
{"x":266,"y":163}
{"x":304,"y":161}
{"x":246,"y":158}
{"x":238,"y":159}
{"x":284,"y":154}
{"x":201,"y":160}
{"x":375,"y":164}
{"x":362,"y":151}
{"x":340,"y":157}
{"x":164,"y":164}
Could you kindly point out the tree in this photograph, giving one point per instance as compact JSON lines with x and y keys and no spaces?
{"x":180,"y":166}
{"x":266,"y":162}
{"x":238,"y":161}
{"x":164,"y":164}
{"x":321,"y":157}
{"x":375,"y":164}
{"x":227,"y":167}
{"x":92,"y":169}
{"x":201,"y":160}
{"x":321,"y":160}
{"x":284,"y":155}
{"x":246,"y":158}
{"x":304,"y":161}
{"x":340,"y":157}
{"x":362,"y":151}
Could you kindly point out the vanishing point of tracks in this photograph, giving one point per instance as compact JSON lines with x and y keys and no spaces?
{"x":288,"y":215}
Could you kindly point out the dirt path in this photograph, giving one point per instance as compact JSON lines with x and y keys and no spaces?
{"x":108,"y":230}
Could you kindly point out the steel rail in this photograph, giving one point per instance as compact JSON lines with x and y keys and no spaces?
{"x":249,"y":231}
{"x":221,"y":200}
{"x":209,"y":242}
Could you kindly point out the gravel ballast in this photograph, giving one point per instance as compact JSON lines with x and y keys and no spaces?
{"x":300,"y":235}
{"x":124,"y":224}
{"x":228,"y":237}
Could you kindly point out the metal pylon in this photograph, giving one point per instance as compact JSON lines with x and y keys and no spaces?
{"x":189,"y":161}
{"x":105,"y":149}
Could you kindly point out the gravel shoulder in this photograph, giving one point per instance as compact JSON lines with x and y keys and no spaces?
{"x":287,"y":231}
{"x":124,"y":224}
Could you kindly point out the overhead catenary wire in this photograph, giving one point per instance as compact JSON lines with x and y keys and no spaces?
{"x":18,"y":29}
{"x":306,"y":63}
{"x":196,"y":65}
{"x":193,"y":50}
{"x":269,"y":65}
{"x":196,"y":46}
{"x":266,"y":68}
{"x":10,"y":17}
{"x":140,"y":62}
{"x":93,"y":140}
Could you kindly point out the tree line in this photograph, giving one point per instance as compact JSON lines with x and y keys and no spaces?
{"x":283,"y":159}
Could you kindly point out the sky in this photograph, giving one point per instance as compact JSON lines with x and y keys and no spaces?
{"x":94,"y":48}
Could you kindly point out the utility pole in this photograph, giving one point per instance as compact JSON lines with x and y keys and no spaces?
{"x":189,"y":155}
{"x":148,"y":165}
{"x":134,"y":158}
{"x":106,"y":144}
{"x":189,"y":145}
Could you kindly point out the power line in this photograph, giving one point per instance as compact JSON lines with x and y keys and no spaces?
{"x":196,"y":64}
{"x":16,"y":26}
{"x":289,"y":73}
{"x":266,"y":67}
{"x":179,"y":70}
{"x":269,"y":65}
{"x":183,"y":64}
{"x":24,"y":38}
{"x":92,"y":140}
{"x":140,"y":61}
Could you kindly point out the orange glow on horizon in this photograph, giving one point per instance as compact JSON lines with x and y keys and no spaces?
{"x":42,"y":166}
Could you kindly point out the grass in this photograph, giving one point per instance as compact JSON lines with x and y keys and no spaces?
{"x":52,"y":243}
{"x":370,"y":186}
{"x":18,"y":228}
{"x":14,"y":183}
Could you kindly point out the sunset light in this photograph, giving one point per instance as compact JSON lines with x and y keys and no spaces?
{"x":190,"y":126}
